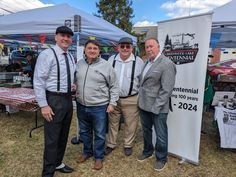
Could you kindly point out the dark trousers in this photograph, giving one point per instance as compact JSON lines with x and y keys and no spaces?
{"x":56,"y":132}
{"x":148,"y":120}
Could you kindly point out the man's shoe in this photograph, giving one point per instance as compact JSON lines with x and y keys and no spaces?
{"x":128,"y":151}
{"x":65,"y":169}
{"x":159,"y":165}
{"x":83,"y":158}
{"x":143,"y":157}
{"x":75,"y":140}
{"x":108,"y":150}
{"x":98,"y":165}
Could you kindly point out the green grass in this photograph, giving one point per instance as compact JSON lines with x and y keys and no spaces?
{"x":21,"y":156}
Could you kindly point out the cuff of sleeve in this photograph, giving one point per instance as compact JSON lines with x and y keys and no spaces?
{"x":42,"y":103}
{"x":113,"y":103}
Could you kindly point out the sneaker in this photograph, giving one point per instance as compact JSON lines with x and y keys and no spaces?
{"x":159,"y":165}
{"x":98,"y":165}
{"x":108,"y":150}
{"x":143,"y":157}
{"x":128,"y":151}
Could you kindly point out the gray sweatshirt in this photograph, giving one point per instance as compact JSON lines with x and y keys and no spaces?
{"x":97,"y":84}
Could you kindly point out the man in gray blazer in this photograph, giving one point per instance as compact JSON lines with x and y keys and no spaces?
{"x":157,"y":83}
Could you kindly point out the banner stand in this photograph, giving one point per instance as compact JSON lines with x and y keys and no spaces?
{"x":183,"y":160}
{"x":186,"y":42}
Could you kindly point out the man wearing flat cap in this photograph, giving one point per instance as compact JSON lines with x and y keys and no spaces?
{"x":53,"y":83}
{"x":128,"y":68}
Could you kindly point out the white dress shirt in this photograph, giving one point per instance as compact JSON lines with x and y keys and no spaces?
{"x":123,"y":70}
{"x":148,"y":65}
{"x":45,"y":74}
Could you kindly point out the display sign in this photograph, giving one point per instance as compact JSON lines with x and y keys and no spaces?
{"x":186,"y":42}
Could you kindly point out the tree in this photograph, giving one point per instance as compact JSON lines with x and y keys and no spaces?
{"x":167,"y":40}
{"x":117,"y":12}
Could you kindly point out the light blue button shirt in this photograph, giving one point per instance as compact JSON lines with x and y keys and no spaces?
{"x":45,"y":74}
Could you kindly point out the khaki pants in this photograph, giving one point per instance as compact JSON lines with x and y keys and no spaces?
{"x":129,"y":109}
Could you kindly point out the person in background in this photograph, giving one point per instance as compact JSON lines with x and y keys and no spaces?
{"x":128,"y":68}
{"x":28,"y":66}
{"x":97,"y":93}
{"x":54,"y":73}
{"x":156,"y":86}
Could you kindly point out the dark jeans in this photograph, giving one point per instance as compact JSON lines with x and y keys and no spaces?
{"x":56,"y":132}
{"x":93,"y":120}
{"x":148,"y":119}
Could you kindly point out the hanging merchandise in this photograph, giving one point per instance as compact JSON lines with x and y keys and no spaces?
{"x":92,"y":38}
{"x":42,"y":38}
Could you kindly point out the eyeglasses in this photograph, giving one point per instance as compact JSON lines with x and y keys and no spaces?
{"x":127,"y":46}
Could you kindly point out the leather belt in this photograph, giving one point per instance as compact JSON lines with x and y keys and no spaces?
{"x":128,"y":96}
{"x":58,"y":93}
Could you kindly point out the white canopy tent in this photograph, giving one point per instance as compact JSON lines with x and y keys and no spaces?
{"x":224,"y":26}
{"x":34,"y":22}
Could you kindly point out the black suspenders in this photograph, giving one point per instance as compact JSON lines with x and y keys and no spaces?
{"x":114,"y":61}
{"x":58,"y":71}
{"x":132,"y":73}
{"x":132,"y":77}
{"x":58,"y":68}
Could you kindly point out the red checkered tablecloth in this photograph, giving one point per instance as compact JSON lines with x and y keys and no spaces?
{"x":20,"y":98}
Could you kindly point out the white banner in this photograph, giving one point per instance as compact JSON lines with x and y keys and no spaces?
{"x":186,"y":42}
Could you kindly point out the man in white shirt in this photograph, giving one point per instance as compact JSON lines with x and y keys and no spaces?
{"x":53,"y":83}
{"x":128,"y":68}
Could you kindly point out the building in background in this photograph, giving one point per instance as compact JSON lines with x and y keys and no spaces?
{"x":142,"y":33}
{"x":146,"y":31}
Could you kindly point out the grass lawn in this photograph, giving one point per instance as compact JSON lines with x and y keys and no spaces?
{"x":21,"y":156}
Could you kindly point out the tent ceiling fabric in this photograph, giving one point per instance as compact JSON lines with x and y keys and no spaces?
{"x":45,"y":20}
{"x":224,"y":23}
{"x":225,"y":13}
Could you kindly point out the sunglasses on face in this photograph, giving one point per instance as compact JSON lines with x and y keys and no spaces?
{"x":127,"y":46}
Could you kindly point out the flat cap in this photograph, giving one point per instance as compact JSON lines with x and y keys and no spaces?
{"x":64,"y":30}
{"x":126,"y":40}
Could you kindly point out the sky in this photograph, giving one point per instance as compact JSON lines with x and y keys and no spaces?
{"x":146,"y":12}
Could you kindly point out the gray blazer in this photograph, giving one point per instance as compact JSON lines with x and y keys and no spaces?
{"x":157,"y":85}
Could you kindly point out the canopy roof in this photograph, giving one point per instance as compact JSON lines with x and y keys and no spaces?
{"x":225,"y":14}
{"x":45,"y":20}
{"x":224,"y":26}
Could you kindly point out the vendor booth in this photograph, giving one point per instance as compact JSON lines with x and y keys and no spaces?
{"x":223,"y":71}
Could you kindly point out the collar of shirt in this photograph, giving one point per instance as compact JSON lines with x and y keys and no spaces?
{"x":94,"y":61}
{"x":152,"y":61}
{"x":131,"y":58}
{"x":60,"y":50}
